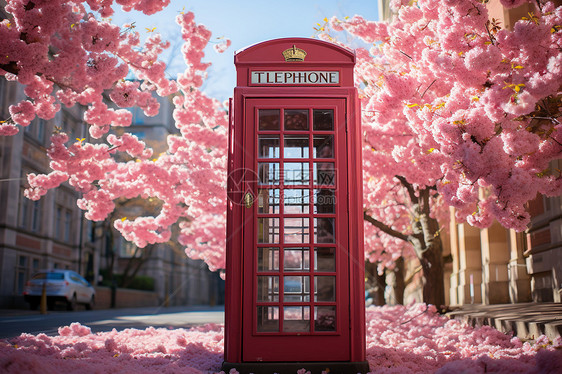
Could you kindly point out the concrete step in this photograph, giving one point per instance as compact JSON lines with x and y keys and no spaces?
{"x":527,"y":321}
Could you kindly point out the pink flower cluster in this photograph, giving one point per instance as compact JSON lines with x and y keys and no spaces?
{"x":60,"y":42}
{"x":453,"y":101}
{"x":64,"y":43}
{"x":400,"y":339}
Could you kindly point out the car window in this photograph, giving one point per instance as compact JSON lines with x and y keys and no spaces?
{"x":82,"y":280}
{"x":51,"y":276}
{"x":75,"y":279}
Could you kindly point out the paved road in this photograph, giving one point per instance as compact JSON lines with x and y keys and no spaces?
{"x":13,"y":323}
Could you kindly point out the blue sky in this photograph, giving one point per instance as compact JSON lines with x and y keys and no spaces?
{"x":244,"y":23}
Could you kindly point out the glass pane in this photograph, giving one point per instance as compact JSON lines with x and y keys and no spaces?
{"x":268,"y":259}
{"x":296,"y":146}
{"x":268,"y":172}
{"x":268,"y":230}
{"x":296,"y":259}
{"x":324,"y":201}
{"x":269,"y":119}
{"x":296,"y":119}
{"x":296,"y":173}
{"x":323,"y":119}
{"x":268,"y":319}
{"x":268,"y":146}
{"x":324,"y":259}
{"x":295,"y":201}
{"x":296,"y":319}
{"x":268,"y":200}
{"x":295,"y":230}
{"x":325,"y":288}
{"x":323,"y":146}
{"x":268,"y":288}
{"x":324,"y":173}
{"x":325,"y":318}
{"x":296,"y":289}
{"x":324,"y":230}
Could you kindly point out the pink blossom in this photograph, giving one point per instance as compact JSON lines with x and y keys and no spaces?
{"x":400,"y":339}
{"x":75,"y":329}
{"x":22,"y":113}
{"x":8,"y":129}
{"x":222,"y":46}
{"x":41,"y":184}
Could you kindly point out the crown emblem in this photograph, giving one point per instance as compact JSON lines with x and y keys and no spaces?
{"x":294,"y":54}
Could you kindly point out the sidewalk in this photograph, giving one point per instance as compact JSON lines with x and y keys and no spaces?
{"x":17,"y":312}
{"x":526,"y":320}
{"x":7,"y":312}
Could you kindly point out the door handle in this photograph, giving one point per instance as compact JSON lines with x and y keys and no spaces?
{"x":248,"y":200}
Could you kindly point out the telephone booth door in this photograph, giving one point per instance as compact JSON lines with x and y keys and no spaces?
{"x":295,"y":240}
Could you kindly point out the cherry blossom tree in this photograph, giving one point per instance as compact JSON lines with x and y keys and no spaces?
{"x":458,"y":112}
{"x":69,"y":53}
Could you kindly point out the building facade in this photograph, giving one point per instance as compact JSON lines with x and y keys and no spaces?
{"x":34,"y":235}
{"x":53,"y":233}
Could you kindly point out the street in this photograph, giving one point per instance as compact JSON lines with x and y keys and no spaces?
{"x":14,"y":322}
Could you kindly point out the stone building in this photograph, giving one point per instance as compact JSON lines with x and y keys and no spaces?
{"x":53,"y":233}
{"x":34,"y":235}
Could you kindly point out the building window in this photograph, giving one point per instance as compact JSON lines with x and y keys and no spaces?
{"x":128,"y":249}
{"x":36,"y":129}
{"x":58,"y":223}
{"x":26,"y":267}
{"x":35,"y":216}
{"x":67,"y":225}
{"x":141,"y":135}
{"x":41,"y":124}
{"x":34,"y":265}
{"x":24,"y":208}
{"x":138,"y":116}
{"x":30,"y":214}
{"x":21,"y":274}
{"x":90,"y":231}
{"x":71,"y":127}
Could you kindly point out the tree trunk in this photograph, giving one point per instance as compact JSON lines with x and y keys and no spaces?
{"x":399,"y":284}
{"x":375,"y":284}
{"x":425,"y":238}
{"x":433,"y":283}
{"x":395,"y":279}
{"x":139,"y":262}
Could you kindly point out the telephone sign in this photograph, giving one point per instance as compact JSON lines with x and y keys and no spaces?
{"x":295,"y":77}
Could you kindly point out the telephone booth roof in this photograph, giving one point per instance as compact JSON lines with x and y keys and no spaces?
{"x":319,"y":54}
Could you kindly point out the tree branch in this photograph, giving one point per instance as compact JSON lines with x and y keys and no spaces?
{"x":409,"y":188}
{"x":492,"y":39}
{"x":385,"y":228}
{"x":428,"y":87}
{"x":405,"y":54}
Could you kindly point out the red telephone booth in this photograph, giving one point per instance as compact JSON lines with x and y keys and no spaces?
{"x":295,"y":261}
